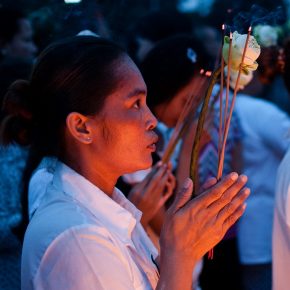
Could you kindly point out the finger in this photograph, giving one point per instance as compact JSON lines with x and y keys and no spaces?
{"x":170,"y":166}
{"x":228,"y":195}
{"x":236,"y":203}
{"x":164,"y":199}
{"x":166,"y":184}
{"x":231,"y":220}
{"x":169,"y":189}
{"x":171,"y":183}
{"x":153,"y":171}
{"x":183,"y":196}
{"x":208,"y":184}
{"x":214,"y":193}
{"x":156,"y":179}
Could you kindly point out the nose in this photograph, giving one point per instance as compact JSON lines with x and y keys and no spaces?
{"x":151,"y":122}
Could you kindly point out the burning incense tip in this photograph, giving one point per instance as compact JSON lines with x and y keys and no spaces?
{"x":208,"y":73}
{"x":250,"y":29}
{"x":231,"y":35}
{"x":223,"y":27}
{"x":201,"y":71}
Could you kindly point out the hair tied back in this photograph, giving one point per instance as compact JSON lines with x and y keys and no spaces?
{"x":15,"y":118}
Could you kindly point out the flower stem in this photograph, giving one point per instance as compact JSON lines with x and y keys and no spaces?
{"x":200,"y":124}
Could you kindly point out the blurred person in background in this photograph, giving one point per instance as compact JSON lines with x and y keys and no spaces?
{"x":281,"y":228}
{"x":154,"y":27}
{"x":17,"y":48}
{"x":171,"y":71}
{"x":17,"y":53}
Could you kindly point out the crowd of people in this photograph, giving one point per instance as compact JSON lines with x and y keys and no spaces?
{"x":87,"y":200}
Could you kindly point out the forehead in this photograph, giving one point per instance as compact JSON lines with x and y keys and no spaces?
{"x":129,"y":77}
{"x":128,"y":83}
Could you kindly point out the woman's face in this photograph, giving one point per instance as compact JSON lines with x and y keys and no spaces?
{"x":169,"y":112}
{"x":127,"y":137}
{"x":22,"y":45}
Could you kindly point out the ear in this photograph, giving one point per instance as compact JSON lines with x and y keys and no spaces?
{"x":78,"y":126}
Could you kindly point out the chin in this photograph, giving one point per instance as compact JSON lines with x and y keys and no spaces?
{"x":142,"y":165}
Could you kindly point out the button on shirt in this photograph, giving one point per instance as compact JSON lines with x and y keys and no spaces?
{"x":80,"y":238}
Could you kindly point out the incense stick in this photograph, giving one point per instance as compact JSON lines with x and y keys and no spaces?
{"x":221,"y":137}
{"x":221,"y":94}
{"x":227,"y":125}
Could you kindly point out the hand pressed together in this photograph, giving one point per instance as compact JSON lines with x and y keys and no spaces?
{"x":194,"y":226}
{"x":152,"y":193}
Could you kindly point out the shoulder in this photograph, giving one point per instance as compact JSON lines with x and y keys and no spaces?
{"x":58,"y":229}
{"x":256,"y":104}
{"x":56,"y":215}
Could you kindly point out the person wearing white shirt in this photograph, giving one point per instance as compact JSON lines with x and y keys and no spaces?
{"x":281,"y":227}
{"x":85,"y":104}
{"x":266,"y":137}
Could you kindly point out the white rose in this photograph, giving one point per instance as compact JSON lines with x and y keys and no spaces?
{"x":245,"y":78}
{"x":266,"y":35}
{"x":252,"y":53}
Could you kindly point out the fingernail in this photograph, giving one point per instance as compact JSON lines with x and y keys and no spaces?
{"x":234,"y":176}
{"x":159,"y":163}
{"x":247,"y":191}
{"x":187,"y":183}
{"x":244,"y":206}
{"x":244,"y":178}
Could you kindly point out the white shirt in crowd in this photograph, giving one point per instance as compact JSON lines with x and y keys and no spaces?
{"x":281,"y":229}
{"x":80,"y":238}
{"x":265,"y":141}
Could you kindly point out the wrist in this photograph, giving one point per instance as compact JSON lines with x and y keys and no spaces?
{"x":175,"y":273}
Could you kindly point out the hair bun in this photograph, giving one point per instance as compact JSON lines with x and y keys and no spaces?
{"x":15,"y":115}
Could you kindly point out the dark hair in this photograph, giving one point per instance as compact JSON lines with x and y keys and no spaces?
{"x":74,"y":75}
{"x":270,"y":64}
{"x":156,"y":26}
{"x":170,"y":66}
{"x":162,"y":24}
{"x":9,"y":24}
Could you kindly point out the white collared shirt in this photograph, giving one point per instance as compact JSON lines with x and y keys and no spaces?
{"x":80,"y":238}
{"x":265,"y":141}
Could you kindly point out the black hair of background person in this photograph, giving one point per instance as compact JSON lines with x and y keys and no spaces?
{"x":156,"y":26}
{"x":9,"y":25}
{"x":11,"y":68}
{"x":167,"y":68}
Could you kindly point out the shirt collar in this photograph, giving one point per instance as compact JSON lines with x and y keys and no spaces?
{"x":116,"y":213}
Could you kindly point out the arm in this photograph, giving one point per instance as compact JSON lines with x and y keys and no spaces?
{"x":274,"y":128}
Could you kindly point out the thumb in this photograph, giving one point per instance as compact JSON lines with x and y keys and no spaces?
{"x":183,"y":196}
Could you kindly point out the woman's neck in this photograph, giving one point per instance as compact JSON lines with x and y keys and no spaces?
{"x":97,"y":174}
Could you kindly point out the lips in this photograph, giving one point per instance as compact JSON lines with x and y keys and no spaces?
{"x":152,"y":145}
